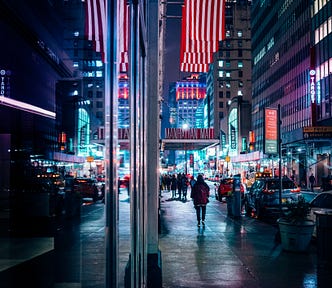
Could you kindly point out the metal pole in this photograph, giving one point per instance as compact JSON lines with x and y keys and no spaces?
{"x":111,"y":128}
{"x":280,"y":156}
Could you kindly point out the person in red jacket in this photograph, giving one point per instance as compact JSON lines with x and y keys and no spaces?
{"x":200,"y":193}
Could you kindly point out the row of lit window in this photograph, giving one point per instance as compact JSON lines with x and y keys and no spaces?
{"x":227,"y":84}
{"x":227,"y":63}
{"x":318,"y":5}
{"x":323,"y":30}
{"x":229,"y":33}
{"x":324,"y":70}
{"x":222,"y":74}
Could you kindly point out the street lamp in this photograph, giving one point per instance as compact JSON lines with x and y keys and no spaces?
{"x":227,"y":158}
{"x":185,"y":126}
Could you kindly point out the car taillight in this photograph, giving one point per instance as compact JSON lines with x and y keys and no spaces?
{"x":296,"y":190}
{"x":266,"y":191}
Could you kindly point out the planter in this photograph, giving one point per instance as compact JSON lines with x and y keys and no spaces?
{"x":295,"y":237}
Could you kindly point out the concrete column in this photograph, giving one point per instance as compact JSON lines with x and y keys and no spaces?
{"x":154,"y":278}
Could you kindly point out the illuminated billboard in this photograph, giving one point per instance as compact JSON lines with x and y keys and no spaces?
{"x":271,"y":131}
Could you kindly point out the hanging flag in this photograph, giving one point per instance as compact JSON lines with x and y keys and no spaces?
{"x":95,"y":25}
{"x":202,"y":29}
{"x":123,"y":32}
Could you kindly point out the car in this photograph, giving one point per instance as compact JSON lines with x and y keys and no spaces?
{"x":225,"y":187}
{"x":322,"y":202}
{"x":86,"y":187}
{"x":262,"y":198}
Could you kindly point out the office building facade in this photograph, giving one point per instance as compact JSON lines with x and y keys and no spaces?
{"x":290,"y":71}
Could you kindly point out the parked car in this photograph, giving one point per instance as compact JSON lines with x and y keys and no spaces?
{"x":225,"y":187}
{"x":86,"y":187}
{"x":262,"y":198}
{"x":321,"y":202}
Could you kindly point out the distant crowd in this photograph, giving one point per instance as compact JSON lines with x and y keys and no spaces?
{"x":178,"y":184}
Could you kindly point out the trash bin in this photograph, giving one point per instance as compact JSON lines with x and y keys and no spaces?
{"x":324,"y":236}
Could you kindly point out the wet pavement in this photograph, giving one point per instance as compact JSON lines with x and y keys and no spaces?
{"x":224,"y":253}
{"x":230,"y":253}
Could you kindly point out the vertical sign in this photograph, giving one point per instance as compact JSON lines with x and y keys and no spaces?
{"x":191,"y":160}
{"x":271,"y":131}
{"x":233,"y":137}
{"x":223,"y":140}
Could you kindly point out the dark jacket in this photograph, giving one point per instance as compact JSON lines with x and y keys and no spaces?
{"x":200,"y":192}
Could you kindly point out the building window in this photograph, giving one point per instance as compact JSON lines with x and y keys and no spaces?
{"x":239,"y":33}
{"x":221,"y":104}
{"x":240,"y":64}
{"x":228,"y":74}
{"x":239,"y":43}
{"x":100,"y":115}
{"x":90,"y":94}
{"x":228,"y":43}
{"x":221,"y":63}
{"x":221,"y":74}
{"x":228,"y":33}
{"x":228,"y":63}
{"x":240,"y":83}
{"x":240,"y":73}
{"x":99,"y":104}
{"x":228,"y":54}
{"x":228,"y":84}
{"x":221,"y":94}
{"x":228,"y":94}
{"x":239,"y":52}
{"x":221,"y":115}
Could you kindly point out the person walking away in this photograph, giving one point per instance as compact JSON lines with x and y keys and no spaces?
{"x":200,"y":194}
{"x":173,"y":186}
{"x":179,"y":185}
{"x":168,"y":182}
{"x":312,"y":181}
{"x":184,"y":183}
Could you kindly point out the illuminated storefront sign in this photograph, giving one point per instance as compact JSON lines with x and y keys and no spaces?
{"x":6,"y":100}
{"x":193,"y":133}
{"x":271,"y":131}
{"x":233,"y":132}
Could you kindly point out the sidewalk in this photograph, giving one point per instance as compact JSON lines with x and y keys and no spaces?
{"x":229,"y":253}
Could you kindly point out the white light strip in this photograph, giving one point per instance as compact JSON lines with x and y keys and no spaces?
{"x":26,"y":107}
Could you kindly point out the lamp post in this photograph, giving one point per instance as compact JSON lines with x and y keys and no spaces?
{"x":185,"y":126}
{"x":227,"y":159}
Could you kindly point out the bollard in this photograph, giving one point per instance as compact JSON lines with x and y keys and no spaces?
{"x":324,"y":236}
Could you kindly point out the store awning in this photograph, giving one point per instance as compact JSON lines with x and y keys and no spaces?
{"x":188,"y":144}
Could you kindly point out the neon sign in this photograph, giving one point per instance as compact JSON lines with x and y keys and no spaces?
{"x":312,"y":74}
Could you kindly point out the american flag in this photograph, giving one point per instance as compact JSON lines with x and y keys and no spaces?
{"x":95,"y":28}
{"x":123,"y":32}
{"x":202,"y":29}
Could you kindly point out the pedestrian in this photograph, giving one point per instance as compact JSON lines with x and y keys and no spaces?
{"x":312,"y":181}
{"x":168,"y":182}
{"x":200,"y":194}
{"x":179,"y":177}
{"x":192,"y":182}
{"x":173,"y":186}
{"x":184,"y":184}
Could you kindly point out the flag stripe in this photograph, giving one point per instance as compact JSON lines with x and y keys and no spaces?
{"x":95,"y":28}
{"x":202,"y":29}
{"x":123,"y":32}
